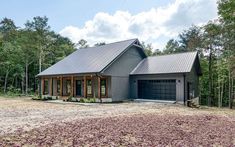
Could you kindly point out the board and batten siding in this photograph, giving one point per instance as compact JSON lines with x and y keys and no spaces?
{"x":179,"y":84}
{"x":119,"y":72}
{"x":193,"y":78}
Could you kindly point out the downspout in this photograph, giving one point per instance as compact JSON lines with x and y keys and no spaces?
{"x":184,"y":91}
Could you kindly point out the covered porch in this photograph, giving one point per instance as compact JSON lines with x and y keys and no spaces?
{"x":78,"y":86}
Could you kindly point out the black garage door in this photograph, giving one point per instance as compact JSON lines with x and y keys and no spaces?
{"x":157,"y":89}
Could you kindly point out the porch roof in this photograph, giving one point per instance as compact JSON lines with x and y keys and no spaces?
{"x":89,"y":60}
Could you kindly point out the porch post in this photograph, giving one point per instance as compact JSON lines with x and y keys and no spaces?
{"x":84,"y":88}
{"x":61,"y":86}
{"x":72,"y":87}
{"x":99,"y":95}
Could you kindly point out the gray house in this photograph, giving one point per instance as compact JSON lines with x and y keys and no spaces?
{"x":121,"y":70}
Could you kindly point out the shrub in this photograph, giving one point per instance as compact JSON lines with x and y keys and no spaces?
{"x":82,"y":100}
{"x":70,"y":99}
{"x":88,"y":100}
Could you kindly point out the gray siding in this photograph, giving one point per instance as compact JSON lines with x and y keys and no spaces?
{"x":119,"y":72}
{"x":193,"y":78}
{"x":179,"y":84}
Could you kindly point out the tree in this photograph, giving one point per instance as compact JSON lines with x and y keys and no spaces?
{"x":82,"y":43}
{"x":227,"y":18}
{"x":28,"y":53}
{"x":148,"y":49}
{"x":40,"y":26}
{"x":212,"y":44}
{"x":8,"y":31}
{"x":191,"y":39}
{"x":172,"y":46}
{"x":100,"y":44}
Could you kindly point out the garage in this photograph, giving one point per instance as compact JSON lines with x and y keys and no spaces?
{"x":157,"y":89}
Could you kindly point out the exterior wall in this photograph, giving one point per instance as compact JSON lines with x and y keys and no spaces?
{"x":119,"y":72}
{"x":179,"y":84}
{"x":193,"y":78}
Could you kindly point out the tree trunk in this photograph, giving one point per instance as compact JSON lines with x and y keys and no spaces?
{"x":232,"y":94}
{"x":26,"y":77}
{"x":229,"y":89}
{"x":5,"y":81}
{"x":222,"y":93}
{"x":22,"y":84}
{"x":210,"y":79}
{"x":40,"y":69}
{"x":218,"y":92}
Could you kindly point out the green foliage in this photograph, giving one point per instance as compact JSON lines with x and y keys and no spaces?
{"x":26,"y":51}
{"x":172,"y":46}
{"x":87,"y":100}
{"x":82,"y":43}
{"x":148,"y":49}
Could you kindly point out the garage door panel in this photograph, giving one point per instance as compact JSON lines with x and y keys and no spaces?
{"x":157,"y":89}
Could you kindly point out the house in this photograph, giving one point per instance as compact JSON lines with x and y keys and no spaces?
{"x":121,"y":70}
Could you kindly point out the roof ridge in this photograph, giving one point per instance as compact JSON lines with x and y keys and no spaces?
{"x":174,"y":54}
{"x":110,"y":43}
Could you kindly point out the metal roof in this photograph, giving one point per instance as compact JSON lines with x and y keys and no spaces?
{"x":89,"y":60}
{"x":174,"y":63}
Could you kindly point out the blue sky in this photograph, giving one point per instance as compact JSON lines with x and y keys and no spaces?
{"x":152,"y":21}
{"x":62,"y":13}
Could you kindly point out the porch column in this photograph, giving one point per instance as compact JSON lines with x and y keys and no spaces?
{"x":84,"y":88}
{"x":61,"y":86}
{"x":72,"y":87}
{"x":99,"y":95}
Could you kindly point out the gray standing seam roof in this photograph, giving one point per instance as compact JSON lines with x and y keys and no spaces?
{"x":88,"y":60}
{"x":163,"y":64}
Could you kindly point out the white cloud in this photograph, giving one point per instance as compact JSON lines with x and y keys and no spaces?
{"x":155,"y":26}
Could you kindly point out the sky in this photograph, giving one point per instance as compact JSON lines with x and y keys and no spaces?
{"x":151,"y":21}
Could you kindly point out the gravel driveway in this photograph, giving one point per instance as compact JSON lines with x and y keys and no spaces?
{"x":22,"y":116}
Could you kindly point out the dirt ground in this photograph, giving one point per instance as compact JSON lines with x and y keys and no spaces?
{"x":25,"y":122}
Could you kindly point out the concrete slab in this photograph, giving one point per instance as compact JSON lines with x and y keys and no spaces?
{"x":74,"y":103}
{"x":156,"y":101}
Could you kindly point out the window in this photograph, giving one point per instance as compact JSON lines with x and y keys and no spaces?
{"x":58,"y":87}
{"x":68,"y":87}
{"x":46,"y":87}
{"x":89,"y":87}
{"x":103,"y":89}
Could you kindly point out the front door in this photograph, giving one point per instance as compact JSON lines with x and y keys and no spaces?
{"x":78,"y":87}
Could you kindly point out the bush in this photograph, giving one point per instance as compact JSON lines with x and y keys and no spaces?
{"x":36,"y":98}
{"x":82,"y":100}
{"x":70,"y":99}
{"x":87,"y":100}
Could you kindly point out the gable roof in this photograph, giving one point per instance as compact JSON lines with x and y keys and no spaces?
{"x":89,"y":60}
{"x":165,"y":64}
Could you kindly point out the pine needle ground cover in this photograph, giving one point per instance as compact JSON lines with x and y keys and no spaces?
{"x":34,"y":123}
